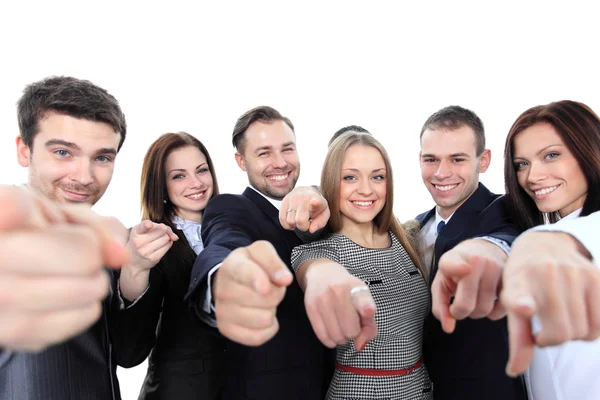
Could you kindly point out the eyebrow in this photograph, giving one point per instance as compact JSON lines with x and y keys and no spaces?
{"x":183,"y":169}
{"x":270,"y":147}
{"x":58,"y":142}
{"x":356,"y":170}
{"x":73,"y":146}
{"x":547,"y":147}
{"x":542,"y":150}
{"x":451,"y":155}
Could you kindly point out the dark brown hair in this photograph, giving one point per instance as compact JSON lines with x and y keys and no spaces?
{"x":263,"y":114}
{"x":579,"y":127}
{"x":67,"y":96}
{"x":154,"y":184}
{"x":331,"y":181}
{"x":455,"y":117}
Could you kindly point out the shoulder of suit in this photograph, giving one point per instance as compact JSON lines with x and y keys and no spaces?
{"x":228,"y":201}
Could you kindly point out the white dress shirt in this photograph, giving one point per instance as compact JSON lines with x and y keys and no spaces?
{"x":429,"y":234}
{"x":570,"y":370}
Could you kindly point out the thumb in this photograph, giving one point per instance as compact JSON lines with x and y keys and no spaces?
{"x":144,"y":227}
{"x":319,"y":212}
{"x":264,"y":255}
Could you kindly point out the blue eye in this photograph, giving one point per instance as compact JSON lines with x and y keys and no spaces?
{"x":551,"y":156}
{"x":178,"y":176}
{"x":203,"y":170}
{"x":61,"y":153}
{"x":349,"y":178}
{"x":520,"y":165}
{"x":379,"y":177}
{"x":104,"y":159}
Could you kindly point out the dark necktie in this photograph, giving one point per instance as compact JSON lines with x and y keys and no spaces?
{"x":433,"y":269}
{"x":440,"y":227}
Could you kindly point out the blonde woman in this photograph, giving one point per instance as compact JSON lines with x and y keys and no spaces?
{"x":367,"y":251}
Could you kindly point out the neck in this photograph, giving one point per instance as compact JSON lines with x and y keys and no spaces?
{"x":364,"y":234}
{"x":195,"y":216}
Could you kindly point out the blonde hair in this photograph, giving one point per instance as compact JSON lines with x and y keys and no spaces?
{"x":331,"y":181}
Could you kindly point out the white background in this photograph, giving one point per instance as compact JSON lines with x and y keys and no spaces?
{"x":197,"y":66}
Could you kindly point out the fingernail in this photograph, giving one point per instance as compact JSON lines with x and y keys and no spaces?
{"x":282,"y":273}
{"x":510,"y":372}
{"x":526,"y":301}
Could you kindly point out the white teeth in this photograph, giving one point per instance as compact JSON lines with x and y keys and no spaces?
{"x":363,"y":203}
{"x":195,"y":196}
{"x":544,"y":191}
{"x":278,"y":177}
{"x":445,"y":188}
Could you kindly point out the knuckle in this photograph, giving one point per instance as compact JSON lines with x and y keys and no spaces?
{"x":560,"y":334}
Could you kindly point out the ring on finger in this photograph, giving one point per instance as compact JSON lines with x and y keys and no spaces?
{"x":358,"y":289}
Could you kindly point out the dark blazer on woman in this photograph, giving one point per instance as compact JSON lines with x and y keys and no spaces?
{"x":185,"y":356}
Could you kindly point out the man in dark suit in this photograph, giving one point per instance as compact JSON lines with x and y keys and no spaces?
{"x":470,"y":362}
{"x":70,"y":133}
{"x":245,"y":267}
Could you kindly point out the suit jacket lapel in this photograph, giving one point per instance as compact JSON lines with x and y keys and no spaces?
{"x":273,"y":214}
{"x":464,"y":216}
{"x":423,"y":218}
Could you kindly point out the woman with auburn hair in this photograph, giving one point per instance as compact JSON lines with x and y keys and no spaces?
{"x":370,"y":244}
{"x":552,"y":175}
{"x":178,"y":180}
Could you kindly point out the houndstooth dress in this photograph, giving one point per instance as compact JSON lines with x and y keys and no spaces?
{"x":402,"y":299}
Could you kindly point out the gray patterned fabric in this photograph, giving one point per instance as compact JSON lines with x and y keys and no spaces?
{"x":402,"y":299}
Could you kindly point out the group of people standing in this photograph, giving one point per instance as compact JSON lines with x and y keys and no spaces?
{"x":288,"y":292}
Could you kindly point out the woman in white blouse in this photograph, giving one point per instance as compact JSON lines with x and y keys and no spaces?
{"x":178,"y":180}
{"x":552,"y":175}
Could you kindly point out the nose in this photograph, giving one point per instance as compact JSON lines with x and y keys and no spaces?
{"x":364,"y":187}
{"x":536,"y":173}
{"x":444,"y":170}
{"x":279,"y":161}
{"x":82,"y":172}
{"x":196,"y":182}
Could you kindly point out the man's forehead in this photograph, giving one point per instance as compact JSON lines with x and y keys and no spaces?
{"x":82,"y":133}
{"x":447,"y":142}
{"x":274,"y":134}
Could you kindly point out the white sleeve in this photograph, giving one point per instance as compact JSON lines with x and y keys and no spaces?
{"x":584,"y":229}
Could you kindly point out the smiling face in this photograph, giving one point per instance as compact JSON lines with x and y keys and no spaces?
{"x":363,"y":185}
{"x":189,"y":182}
{"x":270,"y":158}
{"x":548,"y":171}
{"x":450,"y":167}
{"x":70,"y":160}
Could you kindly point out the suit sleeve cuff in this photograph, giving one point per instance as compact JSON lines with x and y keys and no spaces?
{"x":4,"y":357}
{"x":208,"y":305}
{"x":125,"y":304}
{"x":498,"y":242}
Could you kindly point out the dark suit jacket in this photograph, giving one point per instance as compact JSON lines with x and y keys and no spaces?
{"x":185,"y":357}
{"x":81,"y":368}
{"x":292,"y":365}
{"x":470,"y":363}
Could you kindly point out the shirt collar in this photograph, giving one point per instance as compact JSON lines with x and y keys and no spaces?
{"x":573,"y":215}
{"x":438,"y":218}
{"x":276,"y":203}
